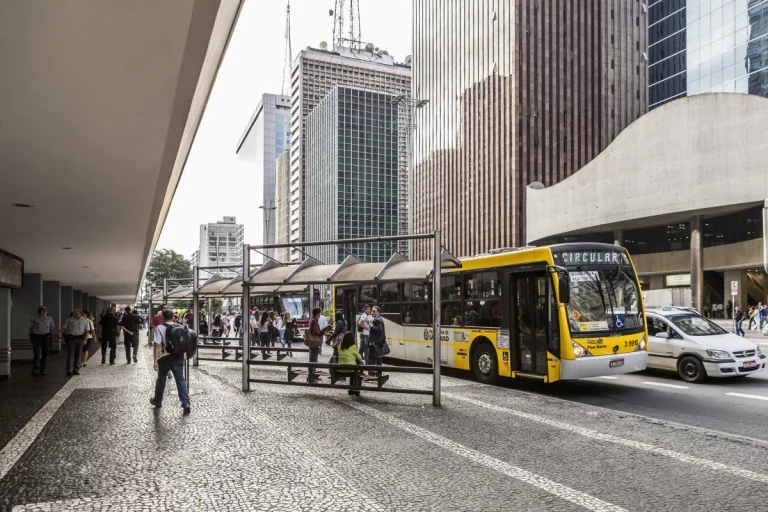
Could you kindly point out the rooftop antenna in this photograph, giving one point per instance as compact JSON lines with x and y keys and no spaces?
{"x":346,"y":13}
{"x":288,"y":51}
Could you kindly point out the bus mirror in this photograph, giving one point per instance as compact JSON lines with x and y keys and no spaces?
{"x":563,"y":288}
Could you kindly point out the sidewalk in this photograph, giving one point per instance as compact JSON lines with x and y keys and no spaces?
{"x":98,"y":445}
{"x":753,"y":336}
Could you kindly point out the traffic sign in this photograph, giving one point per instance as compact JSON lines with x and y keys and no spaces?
{"x":734,"y":288}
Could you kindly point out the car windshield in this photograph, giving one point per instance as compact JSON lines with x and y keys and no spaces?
{"x":604,"y":300}
{"x":695,"y":325}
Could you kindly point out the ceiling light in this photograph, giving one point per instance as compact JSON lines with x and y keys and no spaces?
{"x":86,"y":267}
{"x":67,"y":248}
{"x":22,"y":205}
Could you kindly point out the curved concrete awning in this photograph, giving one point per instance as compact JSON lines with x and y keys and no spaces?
{"x":705,"y":154}
{"x":99,"y":104}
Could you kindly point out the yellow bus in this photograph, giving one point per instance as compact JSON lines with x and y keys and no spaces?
{"x":548,"y":313}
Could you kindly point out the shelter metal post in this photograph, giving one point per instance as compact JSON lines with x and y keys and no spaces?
{"x":438,"y":313}
{"x":246,"y":309}
{"x":165,"y":290}
{"x":196,"y":306}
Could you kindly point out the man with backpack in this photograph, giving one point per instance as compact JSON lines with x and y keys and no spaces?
{"x":177,"y":341}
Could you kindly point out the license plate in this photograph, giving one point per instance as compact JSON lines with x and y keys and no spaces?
{"x":750,"y":364}
{"x":615,"y":362}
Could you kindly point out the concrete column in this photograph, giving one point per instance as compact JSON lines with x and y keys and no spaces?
{"x":24,"y":308}
{"x":66,"y":303}
{"x":85,"y":298}
{"x":93,"y":307}
{"x":697,"y":263}
{"x":5,"y":333}
{"x":52,"y":301}
{"x":618,"y":237}
{"x":77,"y":300}
{"x":657,"y":282}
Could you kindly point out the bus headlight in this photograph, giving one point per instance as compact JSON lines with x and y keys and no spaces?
{"x":578,"y":350}
{"x":642,"y":343}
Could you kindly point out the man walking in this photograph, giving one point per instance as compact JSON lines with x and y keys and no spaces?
{"x":109,"y":329}
{"x":130,"y":326}
{"x":378,"y":337}
{"x":75,"y":331}
{"x":763,"y":316}
{"x":169,"y":363}
{"x":364,"y":326}
{"x":41,"y":329}
{"x":738,"y":318}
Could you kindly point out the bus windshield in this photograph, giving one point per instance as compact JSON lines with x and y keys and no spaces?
{"x":604,"y":300}
{"x":297,"y":306}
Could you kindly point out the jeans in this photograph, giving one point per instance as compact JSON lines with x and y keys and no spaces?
{"x":169,"y":364}
{"x":364,"y":342}
{"x":264,"y":339}
{"x":40,"y":344}
{"x":74,"y":354}
{"x":282,"y":336}
{"x":131,"y":341}
{"x":762,"y":321}
{"x":739,"y":329}
{"x":313,"y":353}
{"x":110,"y":342}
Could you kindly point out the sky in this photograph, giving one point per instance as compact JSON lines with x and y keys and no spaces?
{"x":214,"y":182}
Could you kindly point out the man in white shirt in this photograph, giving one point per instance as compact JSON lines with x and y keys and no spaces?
{"x":169,"y":363}
{"x":76,"y":330}
{"x":365,"y":334}
{"x":41,"y":328}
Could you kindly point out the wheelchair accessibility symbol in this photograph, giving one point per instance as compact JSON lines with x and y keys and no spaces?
{"x":618,"y":321}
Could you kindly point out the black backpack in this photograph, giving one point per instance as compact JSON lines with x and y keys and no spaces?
{"x":178,"y":341}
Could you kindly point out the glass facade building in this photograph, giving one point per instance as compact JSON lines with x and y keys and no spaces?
{"x":266,"y":137}
{"x":352,"y":173}
{"x":706,"y":46}
{"x":518,"y":92}
{"x":315,"y":73}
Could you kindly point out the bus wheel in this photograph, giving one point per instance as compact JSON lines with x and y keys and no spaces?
{"x":484,"y":364}
{"x":691,"y":369}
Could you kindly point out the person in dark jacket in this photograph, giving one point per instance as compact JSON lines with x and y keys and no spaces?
{"x":130,"y":324}
{"x":378,"y":337}
{"x":109,"y":329}
{"x":738,"y":319}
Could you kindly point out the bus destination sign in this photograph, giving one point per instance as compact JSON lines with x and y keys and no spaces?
{"x":590,"y":257}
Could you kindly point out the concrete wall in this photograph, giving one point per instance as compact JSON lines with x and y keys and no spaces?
{"x":77,"y":299}
{"x":52,"y":300}
{"x":5,"y":333}
{"x":23,"y":309}
{"x":747,"y":254}
{"x":702,"y":154}
{"x":66,"y":302}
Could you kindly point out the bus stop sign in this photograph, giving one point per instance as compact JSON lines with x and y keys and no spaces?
{"x":734,"y":288}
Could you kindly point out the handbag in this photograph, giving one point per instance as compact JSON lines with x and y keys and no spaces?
{"x":383,"y":348}
{"x":312,"y":340}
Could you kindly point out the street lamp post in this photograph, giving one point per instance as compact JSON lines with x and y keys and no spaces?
{"x":406,"y":101}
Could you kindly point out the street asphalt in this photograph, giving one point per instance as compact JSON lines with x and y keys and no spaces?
{"x":97,"y":444}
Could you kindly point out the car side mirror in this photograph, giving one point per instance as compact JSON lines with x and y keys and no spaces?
{"x":663,"y":335}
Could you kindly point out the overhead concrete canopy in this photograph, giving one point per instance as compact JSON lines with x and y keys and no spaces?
{"x":99,"y":105}
{"x":703,"y":154}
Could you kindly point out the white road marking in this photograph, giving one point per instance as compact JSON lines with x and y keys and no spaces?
{"x":744,"y":395}
{"x":608,"y":377}
{"x":579,"y":498}
{"x":638,"y":445}
{"x":665,"y":385}
{"x":12,"y":452}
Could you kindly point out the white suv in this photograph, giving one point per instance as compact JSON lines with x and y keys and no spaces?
{"x":696,"y":348}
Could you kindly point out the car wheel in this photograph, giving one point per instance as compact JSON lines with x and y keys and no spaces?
{"x":484,"y":364}
{"x":691,"y":369}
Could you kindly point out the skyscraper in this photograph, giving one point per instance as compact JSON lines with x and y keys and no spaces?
{"x":706,"y":46}
{"x":283,"y":211}
{"x":221,"y":243}
{"x":518,"y":92}
{"x":352,"y":173}
{"x":315,"y":73}
{"x":265,"y":138}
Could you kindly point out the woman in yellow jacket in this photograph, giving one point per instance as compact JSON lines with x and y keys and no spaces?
{"x":348,"y":354}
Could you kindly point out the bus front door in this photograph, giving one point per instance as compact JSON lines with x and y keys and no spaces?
{"x":350,"y":309}
{"x":530,"y":326}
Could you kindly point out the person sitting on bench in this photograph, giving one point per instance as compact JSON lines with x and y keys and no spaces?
{"x":348,"y":354}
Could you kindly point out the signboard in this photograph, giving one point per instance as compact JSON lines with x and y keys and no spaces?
{"x":590,"y":257}
{"x":678,"y":280}
{"x":734,"y":288}
{"x":11,"y":271}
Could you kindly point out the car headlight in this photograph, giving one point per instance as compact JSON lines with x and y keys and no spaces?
{"x":718,"y":354}
{"x":757,"y":349}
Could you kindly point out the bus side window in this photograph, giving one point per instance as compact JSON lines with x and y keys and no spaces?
{"x":417,"y":310}
{"x":482,"y":307}
{"x":450,"y":295}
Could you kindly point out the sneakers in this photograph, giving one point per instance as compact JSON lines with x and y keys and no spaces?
{"x":103,"y":361}
{"x":128,"y":362}
{"x":75,"y":373}
{"x":69,"y":374}
{"x":187,"y":409}
{"x":152,"y":401}
{"x":135,"y":360}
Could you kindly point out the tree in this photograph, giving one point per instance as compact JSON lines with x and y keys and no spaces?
{"x":217,"y":304}
{"x":167,"y":264}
